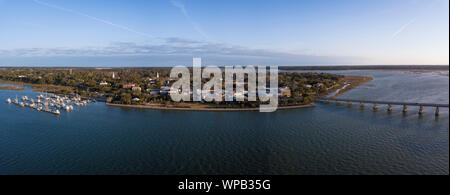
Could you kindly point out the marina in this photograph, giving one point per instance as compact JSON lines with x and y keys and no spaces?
{"x":49,"y":103}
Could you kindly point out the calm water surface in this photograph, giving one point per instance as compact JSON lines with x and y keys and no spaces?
{"x":327,"y":139}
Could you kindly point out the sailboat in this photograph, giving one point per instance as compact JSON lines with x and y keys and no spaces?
{"x":16,"y":101}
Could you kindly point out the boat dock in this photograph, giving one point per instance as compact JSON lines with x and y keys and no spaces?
{"x":49,"y":103}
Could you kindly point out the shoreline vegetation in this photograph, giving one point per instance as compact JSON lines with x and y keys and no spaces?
{"x":45,"y":88}
{"x":148,"y":87}
{"x":12,"y":88}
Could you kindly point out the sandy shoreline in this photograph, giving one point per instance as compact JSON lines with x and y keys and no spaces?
{"x":353,"y":82}
{"x":207,"y":109}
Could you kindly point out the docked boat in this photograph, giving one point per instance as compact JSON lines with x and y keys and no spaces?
{"x":50,"y":103}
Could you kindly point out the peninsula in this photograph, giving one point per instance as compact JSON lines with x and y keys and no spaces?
{"x":149,"y":87}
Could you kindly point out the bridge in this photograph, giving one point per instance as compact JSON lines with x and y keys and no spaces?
{"x":389,"y":103}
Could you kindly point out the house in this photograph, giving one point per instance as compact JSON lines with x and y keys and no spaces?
{"x":109,"y":99}
{"x":151,"y":81}
{"x":308,"y":86}
{"x":128,"y":85}
{"x":284,"y":92}
{"x":318,"y":85}
{"x":164,"y":90}
{"x":138,"y":89}
{"x":153,"y":91}
{"x":136,"y":100}
{"x":103,"y":83}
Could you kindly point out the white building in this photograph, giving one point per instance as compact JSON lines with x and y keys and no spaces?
{"x":318,"y":85}
{"x":136,"y":89}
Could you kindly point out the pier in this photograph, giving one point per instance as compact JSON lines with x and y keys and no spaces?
{"x":388,"y":103}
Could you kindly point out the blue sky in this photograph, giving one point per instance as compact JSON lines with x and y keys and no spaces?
{"x":223,"y":32}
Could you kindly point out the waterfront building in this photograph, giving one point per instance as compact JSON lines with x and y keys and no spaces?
{"x":153,"y":91}
{"x":318,"y":85}
{"x":284,"y":92}
{"x":164,"y":90}
{"x":138,"y":89}
{"x":128,"y":85}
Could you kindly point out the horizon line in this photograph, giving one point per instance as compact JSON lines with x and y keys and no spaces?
{"x":305,"y":66}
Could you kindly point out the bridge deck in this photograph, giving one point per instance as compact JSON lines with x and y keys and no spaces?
{"x":387,"y":102}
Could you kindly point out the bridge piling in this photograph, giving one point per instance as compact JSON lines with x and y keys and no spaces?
{"x":421,"y":110}
{"x":375,"y":107}
{"x":437,"y":111}
{"x":390,"y":108}
{"x":405,"y":108}
{"x":349,"y":104}
{"x":361,"y":105}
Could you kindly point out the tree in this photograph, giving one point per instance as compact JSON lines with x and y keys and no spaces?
{"x":125,"y":98}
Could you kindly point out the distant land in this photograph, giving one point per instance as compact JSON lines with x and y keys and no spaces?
{"x":287,"y":68}
{"x":370,"y":67}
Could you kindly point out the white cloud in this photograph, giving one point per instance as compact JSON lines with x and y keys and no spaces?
{"x":173,"y":51}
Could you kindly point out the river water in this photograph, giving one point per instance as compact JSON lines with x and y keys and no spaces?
{"x":327,"y":139}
